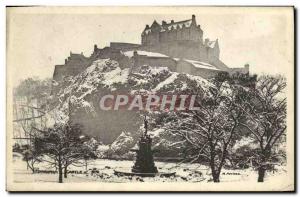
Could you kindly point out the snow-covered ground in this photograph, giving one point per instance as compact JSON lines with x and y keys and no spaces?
{"x":104,"y":172}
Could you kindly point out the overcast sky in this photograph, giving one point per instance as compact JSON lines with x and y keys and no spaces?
{"x":36,"y":42}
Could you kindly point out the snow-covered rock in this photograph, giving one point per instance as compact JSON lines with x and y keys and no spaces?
{"x":123,"y":143}
{"x":80,"y":92}
{"x":102,"y":151}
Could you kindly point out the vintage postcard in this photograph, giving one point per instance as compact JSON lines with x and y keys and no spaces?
{"x":150,"y":99}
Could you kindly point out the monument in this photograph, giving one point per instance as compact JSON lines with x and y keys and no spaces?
{"x":144,"y":164}
{"x":144,"y":160}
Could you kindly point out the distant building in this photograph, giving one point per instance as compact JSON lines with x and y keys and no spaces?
{"x":177,"y":45}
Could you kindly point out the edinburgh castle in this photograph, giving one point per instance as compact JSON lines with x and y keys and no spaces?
{"x":177,"y":45}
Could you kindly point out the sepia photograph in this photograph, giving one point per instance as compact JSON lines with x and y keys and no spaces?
{"x":157,"y":99}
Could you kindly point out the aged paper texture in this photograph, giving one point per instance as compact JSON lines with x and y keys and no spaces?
{"x":150,"y":99}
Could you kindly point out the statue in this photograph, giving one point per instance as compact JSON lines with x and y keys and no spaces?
{"x":144,"y":160}
{"x":145,"y":125}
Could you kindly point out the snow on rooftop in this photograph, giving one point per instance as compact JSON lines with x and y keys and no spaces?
{"x":146,"y":53}
{"x":201,"y":64}
{"x":171,"y":25}
{"x":211,"y":44}
{"x":180,"y":24}
{"x":147,"y":31}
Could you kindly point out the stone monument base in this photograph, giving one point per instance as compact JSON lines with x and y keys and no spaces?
{"x":144,"y":162}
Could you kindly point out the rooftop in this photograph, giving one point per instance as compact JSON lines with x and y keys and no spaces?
{"x":164,"y":26}
{"x":199,"y":64}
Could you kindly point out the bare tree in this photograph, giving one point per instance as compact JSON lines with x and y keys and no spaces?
{"x":31,"y":157}
{"x":34,"y":88}
{"x":62,"y":146}
{"x":30,"y":97}
{"x":265,"y":106}
{"x":209,"y":132}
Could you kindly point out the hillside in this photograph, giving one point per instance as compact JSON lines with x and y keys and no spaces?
{"x":79,"y":96}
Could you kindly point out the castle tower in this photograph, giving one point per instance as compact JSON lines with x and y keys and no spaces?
{"x":180,"y":39}
{"x":186,"y":30}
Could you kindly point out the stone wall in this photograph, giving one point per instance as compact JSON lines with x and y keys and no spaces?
{"x":74,"y":64}
{"x":180,"y":66}
{"x":124,"y":46}
{"x":188,"y":68}
{"x":58,"y":72}
{"x":184,"y":67}
{"x":243,"y":70}
{"x":140,"y":60}
{"x":180,"y":49}
{"x":218,"y":63}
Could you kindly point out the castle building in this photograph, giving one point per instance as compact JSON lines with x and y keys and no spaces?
{"x":182,"y":39}
{"x":176,"y":45}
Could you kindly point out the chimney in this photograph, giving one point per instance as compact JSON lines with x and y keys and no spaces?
{"x":164,"y":23}
{"x":95,"y":47}
{"x":172,"y":21}
{"x":66,"y":61}
{"x":194,"y":20}
{"x":147,"y":27}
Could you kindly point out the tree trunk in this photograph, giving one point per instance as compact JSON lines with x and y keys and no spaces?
{"x":216,"y":176}
{"x":32,"y":166}
{"x":214,"y":173}
{"x":86,"y":165}
{"x":66,"y":172}
{"x":60,"y":171}
{"x":27,"y":162}
{"x":266,"y":153}
{"x":261,"y":174}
